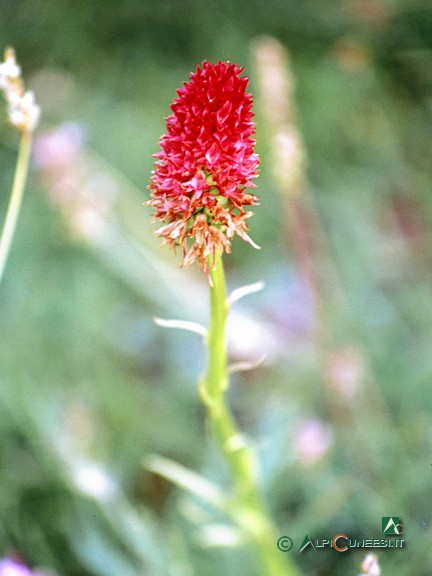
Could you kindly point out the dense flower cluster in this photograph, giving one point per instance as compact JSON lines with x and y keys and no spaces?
{"x":206,"y":161}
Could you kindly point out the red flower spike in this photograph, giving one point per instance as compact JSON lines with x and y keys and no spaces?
{"x":206,"y":161}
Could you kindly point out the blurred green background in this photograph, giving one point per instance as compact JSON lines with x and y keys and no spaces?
{"x":341,"y":410}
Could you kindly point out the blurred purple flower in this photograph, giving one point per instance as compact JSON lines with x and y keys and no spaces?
{"x":9,"y":567}
{"x":312,"y":440}
{"x":57,"y":148}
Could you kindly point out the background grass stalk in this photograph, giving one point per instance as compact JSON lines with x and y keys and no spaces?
{"x":250,"y":511}
{"x":15,"y":200}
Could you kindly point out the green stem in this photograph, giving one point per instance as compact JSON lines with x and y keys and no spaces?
{"x":249,"y":508}
{"x":15,"y":199}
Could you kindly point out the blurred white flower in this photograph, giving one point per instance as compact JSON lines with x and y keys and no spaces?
{"x":87,"y":223}
{"x":248,"y":338}
{"x":370,"y":566}
{"x":215,"y":535}
{"x":92,"y":479}
{"x":277,"y":88}
{"x":345,"y":371}
{"x":23,"y":111}
{"x":9,"y":70}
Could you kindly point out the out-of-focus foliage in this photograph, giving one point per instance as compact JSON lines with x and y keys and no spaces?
{"x":89,"y":386}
